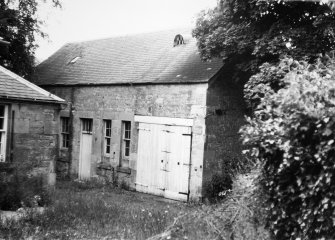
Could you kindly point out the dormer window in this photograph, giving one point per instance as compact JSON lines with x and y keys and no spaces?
{"x":74,"y":60}
{"x":178,"y":40}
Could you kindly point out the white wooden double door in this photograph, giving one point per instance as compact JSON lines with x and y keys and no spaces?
{"x":163,"y":163}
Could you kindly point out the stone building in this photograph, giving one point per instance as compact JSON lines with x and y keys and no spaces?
{"x":29,"y":124}
{"x":146,"y":109}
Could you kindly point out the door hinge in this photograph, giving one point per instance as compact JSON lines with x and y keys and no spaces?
{"x":187,"y":134}
{"x":141,"y":184}
{"x":143,"y":129}
{"x":167,"y":131}
{"x":184,"y":193}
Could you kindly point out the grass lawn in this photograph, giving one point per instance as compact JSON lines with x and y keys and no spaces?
{"x":79,"y":211}
{"x":109,"y":213}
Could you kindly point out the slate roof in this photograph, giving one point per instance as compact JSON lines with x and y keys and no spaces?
{"x":15,"y":87}
{"x":133,"y":59}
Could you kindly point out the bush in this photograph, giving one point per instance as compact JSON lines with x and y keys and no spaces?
{"x":21,"y":190}
{"x":218,"y":187}
{"x":292,"y":134}
{"x":268,"y":81}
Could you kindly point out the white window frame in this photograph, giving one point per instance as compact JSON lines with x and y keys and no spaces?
{"x":107,"y":136}
{"x":125,"y":140}
{"x":3,"y":134}
{"x":65,"y":133}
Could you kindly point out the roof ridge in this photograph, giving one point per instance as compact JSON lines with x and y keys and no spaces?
{"x":30,"y":85}
{"x":131,"y":34}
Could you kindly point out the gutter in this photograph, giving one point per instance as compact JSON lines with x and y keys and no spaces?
{"x":120,"y":84}
{"x":20,"y":99}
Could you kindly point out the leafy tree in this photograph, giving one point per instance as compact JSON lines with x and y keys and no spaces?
{"x":19,"y":25}
{"x":247,"y":33}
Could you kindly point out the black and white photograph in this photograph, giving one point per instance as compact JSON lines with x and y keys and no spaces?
{"x":167,"y":119}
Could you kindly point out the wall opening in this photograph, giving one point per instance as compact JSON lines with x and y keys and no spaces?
{"x":178,"y":40}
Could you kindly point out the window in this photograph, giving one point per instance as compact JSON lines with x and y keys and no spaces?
{"x":178,"y":40}
{"x":126,"y":135}
{"x":3,"y":132}
{"x":108,"y":136}
{"x":87,"y":126}
{"x":65,"y":131}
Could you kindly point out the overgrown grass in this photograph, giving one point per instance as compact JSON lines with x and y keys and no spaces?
{"x":94,"y":214}
{"x":86,"y":212}
{"x":238,"y":217}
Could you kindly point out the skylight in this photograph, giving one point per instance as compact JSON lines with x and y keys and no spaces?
{"x":74,"y":60}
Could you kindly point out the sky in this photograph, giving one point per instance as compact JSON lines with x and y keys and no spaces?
{"x":81,"y":20}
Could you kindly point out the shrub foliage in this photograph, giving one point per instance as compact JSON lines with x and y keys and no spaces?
{"x":292,"y":134}
{"x":21,"y":190}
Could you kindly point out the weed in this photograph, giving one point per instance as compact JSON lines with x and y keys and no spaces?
{"x":218,"y":187}
{"x":236,"y":217}
{"x":124,"y":185}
